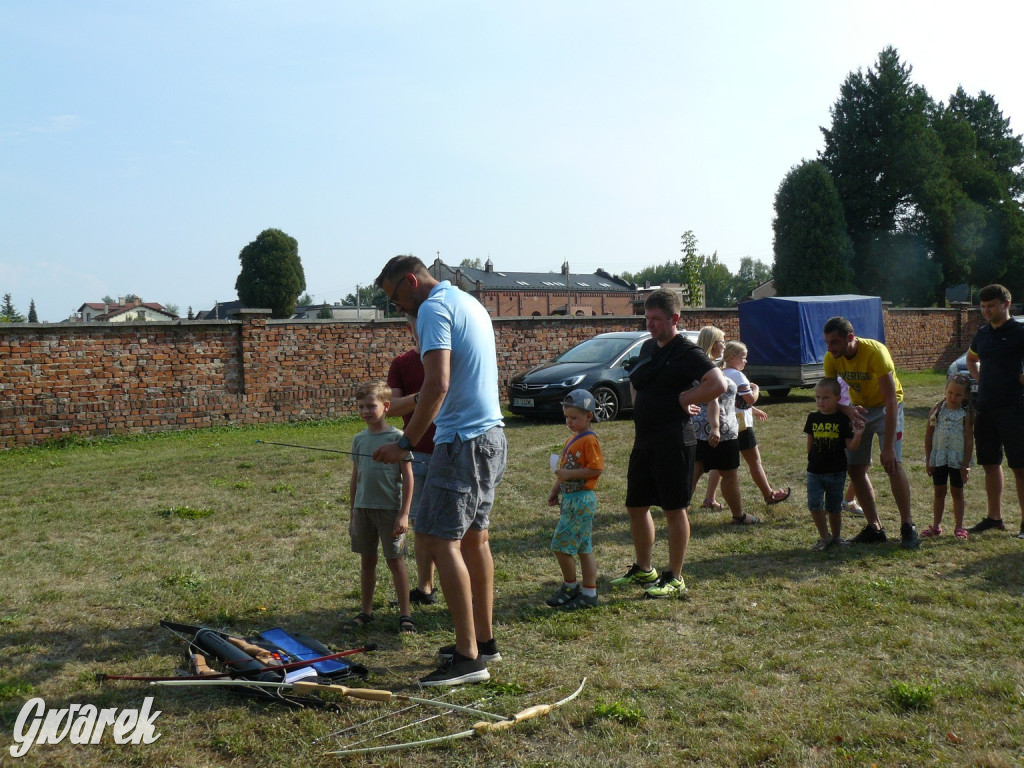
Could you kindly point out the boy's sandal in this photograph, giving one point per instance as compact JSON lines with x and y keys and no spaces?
{"x":362,"y":620}
{"x":745,"y":519}
{"x":713,"y":505}
{"x":406,"y":624}
{"x":778,"y":496}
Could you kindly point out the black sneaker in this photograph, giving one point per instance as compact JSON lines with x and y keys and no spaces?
{"x":458,"y":670}
{"x":869,"y":535}
{"x":563,"y":596}
{"x":487,"y":651}
{"x":987,"y":524}
{"x":908,"y":536}
{"x":418,"y":597}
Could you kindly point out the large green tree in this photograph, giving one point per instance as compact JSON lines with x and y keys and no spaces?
{"x":931,"y":192}
{"x":271,"y":273}
{"x":891,"y":174}
{"x":987,"y":161}
{"x":812,"y":248}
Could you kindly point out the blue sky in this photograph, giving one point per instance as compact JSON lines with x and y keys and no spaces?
{"x":143,"y":144}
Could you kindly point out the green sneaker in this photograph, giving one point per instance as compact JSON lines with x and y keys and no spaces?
{"x":668,"y":586}
{"x":635,"y":575}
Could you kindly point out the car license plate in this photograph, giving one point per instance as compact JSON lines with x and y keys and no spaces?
{"x":522,"y":402}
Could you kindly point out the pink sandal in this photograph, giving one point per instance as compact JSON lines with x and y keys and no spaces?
{"x":960,"y":533}
{"x":931,"y":530}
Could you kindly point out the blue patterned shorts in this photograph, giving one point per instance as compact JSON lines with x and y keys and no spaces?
{"x":574,"y":534}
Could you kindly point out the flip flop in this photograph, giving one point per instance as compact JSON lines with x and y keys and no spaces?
{"x":776,"y":499}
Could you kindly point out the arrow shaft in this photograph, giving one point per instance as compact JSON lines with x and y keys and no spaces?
{"x":329,"y":450}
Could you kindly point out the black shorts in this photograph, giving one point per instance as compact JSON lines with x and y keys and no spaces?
{"x":748,"y":439}
{"x":724,"y":456}
{"x":660,"y":477}
{"x":947,"y":476}
{"x":997,"y":429}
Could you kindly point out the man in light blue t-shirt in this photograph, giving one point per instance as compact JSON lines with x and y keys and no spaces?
{"x":460,"y":396}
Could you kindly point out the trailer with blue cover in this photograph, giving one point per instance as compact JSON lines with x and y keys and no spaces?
{"x":785,"y":339}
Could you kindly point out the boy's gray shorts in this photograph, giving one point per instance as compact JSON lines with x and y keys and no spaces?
{"x":459,"y":490}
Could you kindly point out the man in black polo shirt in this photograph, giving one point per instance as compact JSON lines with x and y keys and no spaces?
{"x":670,"y":374}
{"x":996,"y":361}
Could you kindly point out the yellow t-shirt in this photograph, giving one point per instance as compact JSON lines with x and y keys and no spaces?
{"x":862,"y":373}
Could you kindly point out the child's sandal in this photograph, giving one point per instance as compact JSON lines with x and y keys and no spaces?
{"x":361,"y":620}
{"x":930,"y":531}
{"x":960,"y":533}
{"x":406,"y":624}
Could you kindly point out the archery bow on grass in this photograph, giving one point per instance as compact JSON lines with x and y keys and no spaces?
{"x":366,"y":694}
{"x":413,"y":724}
{"x":478,"y":729}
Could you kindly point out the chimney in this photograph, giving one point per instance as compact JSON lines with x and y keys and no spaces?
{"x":489,"y":265}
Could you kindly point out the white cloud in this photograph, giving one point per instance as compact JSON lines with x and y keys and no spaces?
{"x":61,"y":124}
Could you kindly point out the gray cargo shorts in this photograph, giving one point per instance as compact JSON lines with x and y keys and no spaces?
{"x":459,"y":489}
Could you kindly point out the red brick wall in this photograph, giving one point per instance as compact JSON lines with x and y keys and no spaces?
{"x":100,"y":378}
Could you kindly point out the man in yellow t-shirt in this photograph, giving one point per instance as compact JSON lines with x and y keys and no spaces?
{"x":876,"y":401}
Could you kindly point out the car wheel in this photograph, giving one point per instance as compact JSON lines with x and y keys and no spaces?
{"x":606,"y":404}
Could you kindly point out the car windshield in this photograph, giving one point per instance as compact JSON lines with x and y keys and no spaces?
{"x":596,"y":351}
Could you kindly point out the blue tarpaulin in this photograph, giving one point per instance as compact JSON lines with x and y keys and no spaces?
{"x":787,"y":330}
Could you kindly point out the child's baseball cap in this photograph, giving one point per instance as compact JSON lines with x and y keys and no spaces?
{"x":580,"y":398}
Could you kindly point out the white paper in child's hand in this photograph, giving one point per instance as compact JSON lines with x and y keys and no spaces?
{"x":554,"y":462}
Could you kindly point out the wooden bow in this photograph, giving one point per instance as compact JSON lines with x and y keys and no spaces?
{"x":496,"y":723}
{"x":300,"y":687}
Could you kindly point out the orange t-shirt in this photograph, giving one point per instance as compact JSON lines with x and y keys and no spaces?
{"x":581,"y":451}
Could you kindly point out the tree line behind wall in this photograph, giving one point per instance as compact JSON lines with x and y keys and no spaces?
{"x":909,"y":197}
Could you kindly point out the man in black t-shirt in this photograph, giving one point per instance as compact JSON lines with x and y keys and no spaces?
{"x":669,"y":376}
{"x":999,"y":424}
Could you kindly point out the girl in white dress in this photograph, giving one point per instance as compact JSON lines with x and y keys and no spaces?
{"x":948,"y":442}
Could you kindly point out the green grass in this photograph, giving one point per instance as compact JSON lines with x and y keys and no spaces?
{"x":779,"y":656}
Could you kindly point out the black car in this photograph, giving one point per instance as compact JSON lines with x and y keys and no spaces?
{"x":595,"y":365}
